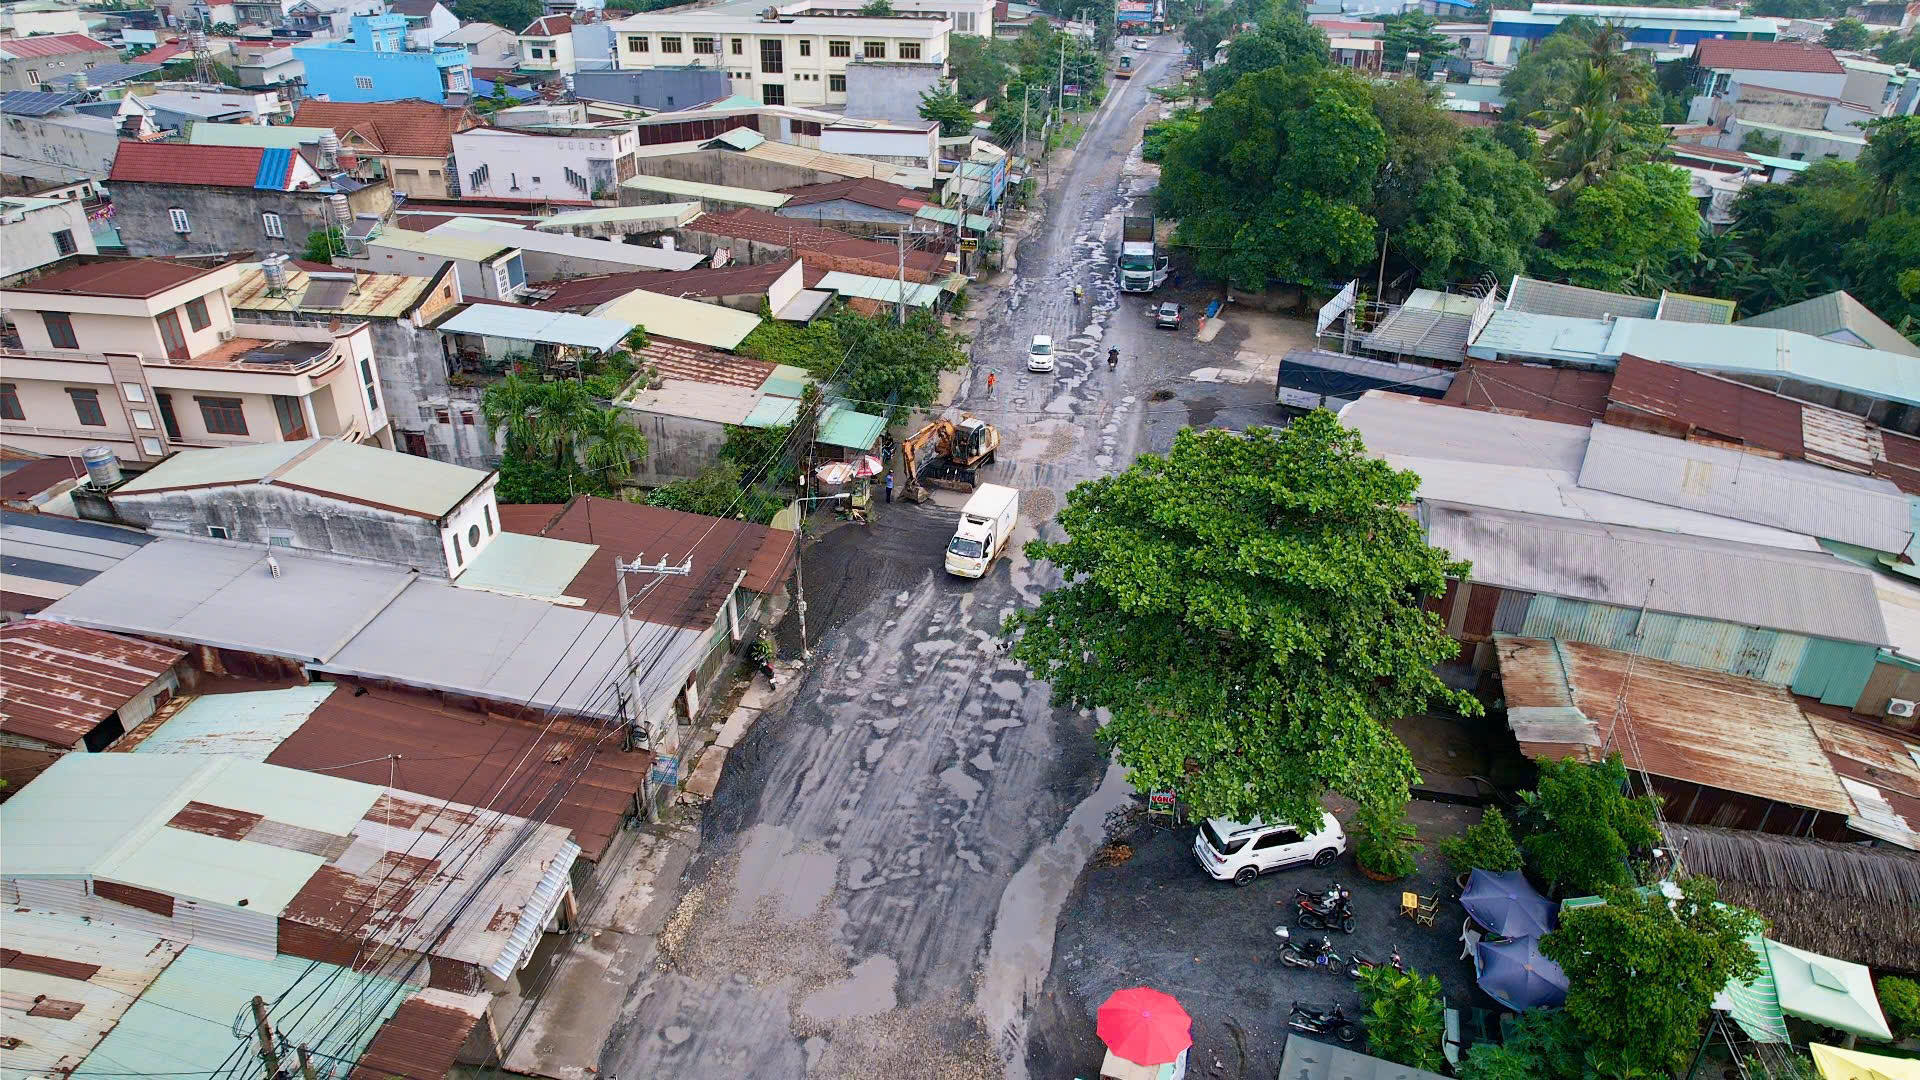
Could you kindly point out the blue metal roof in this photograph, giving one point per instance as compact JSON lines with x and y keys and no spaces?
{"x":274,"y":165}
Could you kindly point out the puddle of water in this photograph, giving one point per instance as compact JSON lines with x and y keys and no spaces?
{"x":866,"y":991}
{"x":798,"y":882}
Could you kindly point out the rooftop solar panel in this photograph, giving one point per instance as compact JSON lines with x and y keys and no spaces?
{"x":35,"y":102}
{"x":326,"y":294}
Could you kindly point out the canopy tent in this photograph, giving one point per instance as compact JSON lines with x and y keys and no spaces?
{"x":1516,"y":974}
{"x":1505,"y":904}
{"x":1827,"y":991}
{"x":1755,"y":1005}
{"x":1837,"y":1064}
{"x":1144,"y":1026}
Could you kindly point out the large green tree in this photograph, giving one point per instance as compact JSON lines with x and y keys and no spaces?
{"x":1642,"y":971}
{"x":1285,"y":40}
{"x":946,"y":108}
{"x":1411,"y":33}
{"x":1582,"y":829}
{"x":1847,"y":33}
{"x":1625,"y":230}
{"x":1405,"y":1016}
{"x":1543,"y":1045}
{"x":1248,"y":609}
{"x":980,"y":66}
{"x":1479,"y":214}
{"x":1275,"y":182}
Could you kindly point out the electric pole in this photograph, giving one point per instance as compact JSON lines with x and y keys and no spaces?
{"x":269,"y":1057}
{"x":636,"y":721}
{"x":306,"y":1064}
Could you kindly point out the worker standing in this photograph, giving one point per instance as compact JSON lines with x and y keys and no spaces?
{"x":989,"y":383}
{"x":889,"y":487}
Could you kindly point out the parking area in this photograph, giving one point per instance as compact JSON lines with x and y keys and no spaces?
{"x":1156,"y":919}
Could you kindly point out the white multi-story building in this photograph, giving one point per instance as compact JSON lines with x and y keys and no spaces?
{"x":973,"y":17}
{"x":577,"y":166}
{"x":38,"y":229}
{"x":779,"y":59}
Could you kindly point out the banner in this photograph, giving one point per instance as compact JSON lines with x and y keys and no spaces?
{"x":1336,"y":307}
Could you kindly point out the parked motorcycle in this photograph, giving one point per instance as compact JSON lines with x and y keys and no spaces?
{"x":1330,"y":910}
{"x":1308,"y":954}
{"x":1332,"y":1021}
{"x":1361,"y":964}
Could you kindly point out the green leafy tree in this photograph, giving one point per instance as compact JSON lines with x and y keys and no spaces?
{"x":1714,"y":267}
{"x":717,"y":492}
{"x":1404,"y":1016}
{"x":1285,"y":41}
{"x":1160,"y":135}
{"x":980,"y":66}
{"x":1625,"y":230}
{"x":1247,"y":607}
{"x":946,"y":108}
{"x":513,"y":15}
{"x":897,"y":365}
{"x":1413,"y":32}
{"x":539,"y":480}
{"x":1275,"y":183}
{"x":877,"y":8}
{"x":323,"y":244}
{"x":608,"y":443}
{"x":1581,"y":827}
{"x":1480,"y":214}
{"x":1900,"y":1001}
{"x":1847,"y":33}
{"x":1900,"y":48}
{"x":1759,"y":142}
{"x":752,"y":450}
{"x":1543,"y":1045}
{"x":1642,"y":971}
{"x":495,"y":99}
{"x":1384,"y":842}
{"x":1487,"y":844}
{"x":1543,"y":71}
{"x":1420,"y":141}
{"x":1204,"y":33}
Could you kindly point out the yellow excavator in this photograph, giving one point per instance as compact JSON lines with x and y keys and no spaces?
{"x":960,"y":450}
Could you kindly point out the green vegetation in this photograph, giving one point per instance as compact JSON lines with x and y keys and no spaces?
{"x":1405,"y":1013}
{"x":1900,"y":1001}
{"x":1581,"y":828}
{"x":1625,"y":232}
{"x":1384,"y":843}
{"x":1413,"y":32}
{"x":718,"y":492}
{"x":496,"y":99}
{"x":1846,"y":33}
{"x":1544,"y":1045}
{"x":510,"y":15}
{"x":558,"y":439}
{"x":1000,"y":72}
{"x":323,"y":244}
{"x":949,"y":110}
{"x":1487,"y":844}
{"x":1248,"y":607}
{"x":878,"y":364}
{"x":1642,"y":970}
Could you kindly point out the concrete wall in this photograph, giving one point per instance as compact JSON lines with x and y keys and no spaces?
{"x":49,"y":148}
{"x":889,"y":91}
{"x":678,"y":447}
{"x":653,"y":88}
{"x":518,"y":165}
{"x":27,"y":241}
{"x":268,"y":514}
{"x":228,"y":219}
{"x":730,"y":168}
{"x":27,"y":73}
{"x":333,"y":71}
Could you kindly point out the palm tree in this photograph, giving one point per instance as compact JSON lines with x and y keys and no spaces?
{"x":609,"y":443}
{"x":513,"y":405}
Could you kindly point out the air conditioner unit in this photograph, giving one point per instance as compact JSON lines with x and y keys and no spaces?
{"x":226,"y":335}
{"x":1899,"y":707}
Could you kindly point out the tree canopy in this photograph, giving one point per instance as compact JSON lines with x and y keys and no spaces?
{"x":1618,"y":232}
{"x":1582,"y":828}
{"x":1248,"y":609}
{"x":945,"y":107}
{"x":1285,"y":40}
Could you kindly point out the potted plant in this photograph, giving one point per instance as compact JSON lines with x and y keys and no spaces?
{"x":1384,"y":850}
{"x":1488,"y":844}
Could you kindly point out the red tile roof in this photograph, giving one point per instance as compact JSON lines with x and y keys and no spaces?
{"x":697,"y":363}
{"x":58,"y":682}
{"x":1767,"y":56}
{"x":579,"y":294}
{"x":203,"y":166}
{"x":721,"y":548}
{"x":162,"y":53}
{"x":134,"y":279}
{"x":51,"y":45}
{"x":548,"y":26}
{"x":406,"y":128}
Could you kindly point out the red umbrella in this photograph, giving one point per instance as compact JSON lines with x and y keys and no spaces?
{"x":1144,"y":1026}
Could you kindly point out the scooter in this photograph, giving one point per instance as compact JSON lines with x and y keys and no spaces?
{"x":1331,"y":910}
{"x":1314,"y":1021}
{"x":1295,"y":954}
{"x":1362,"y":964}
{"x":1113,"y":359}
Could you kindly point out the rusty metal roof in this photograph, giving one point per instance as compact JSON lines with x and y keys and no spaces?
{"x":1879,"y":768}
{"x":58,"y":682}
{"x":377,"y":296}
{"x":1705,"y":727}
{"x":697,"y":363}
{"x":422,"y":1038}
{"x":1563,"y":395}
{"x":418,"y":742}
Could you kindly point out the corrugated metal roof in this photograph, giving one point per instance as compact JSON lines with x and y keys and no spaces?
{"x":1753,"y":350}
{"x":1572,"y":301}
{"x":277,"y":136}
{"x":469,"y":246}
{"x":183,"y":1024}
{"x":1833,"y":314}
{"x":693,"y":189}
{"x":1804,"y":592}
{"x":640,"y":256}
{"x":1682,"y":307}
{"x":248,"y":725}
{"x":57,"y":683}
{"x":1560,"y":394}
{"x":684,"y":320}
{"x":381,"y":296}
{"x":423,"y":1038}
{"x":245,"y":464}
{"x":741,"y":138}
{"x":44,"y":557}
{"x":532,"y":324}
{"x":100,"y":967}
{"x":887,"y":290}
{"x":677,"y":213}
{"x":1419,"y":331}
{"x":384,"y":478}
{"x":949,"y":216}
{"x":1548,"y":337}
{"x":525,"y":566}
{"x":844,"y":427}
{"x":676,"y":360}
{"x":1721,"y":731}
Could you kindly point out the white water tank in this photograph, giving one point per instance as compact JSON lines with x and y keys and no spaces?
{"x":275,"y":269}
{"x":338,"y":211}
{"x":329,"y":149}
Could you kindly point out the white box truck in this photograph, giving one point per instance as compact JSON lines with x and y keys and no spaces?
{"x":985,"y":530}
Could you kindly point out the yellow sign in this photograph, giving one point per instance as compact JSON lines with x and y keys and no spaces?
{"x":969,"y":243}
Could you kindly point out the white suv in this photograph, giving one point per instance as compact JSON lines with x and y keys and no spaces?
{"x":1231,"y":851}
{"x":1040,"y":353}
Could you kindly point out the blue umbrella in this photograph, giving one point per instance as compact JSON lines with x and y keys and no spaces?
{"x":1504,"y":903}
{"x":1516,"y":974}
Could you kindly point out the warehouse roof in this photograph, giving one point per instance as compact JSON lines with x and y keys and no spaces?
{"x":1571,"y":699}
{"x":684,"y":320}
{"x":1836,"y":315}
{"x":43,"y":557}
{"x":639,"y":256}
{"x":720,"y":193}
{"x":1803,"y":592}
{"x":57,"y":683}
{"x":351,"y":472}
{"x":101,"y":968}
{"x":1564,"y":395}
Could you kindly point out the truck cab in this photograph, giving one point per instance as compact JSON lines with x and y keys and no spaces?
{"x":985,"y":529}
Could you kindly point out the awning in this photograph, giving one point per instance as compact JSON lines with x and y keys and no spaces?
{"x":1827,"y":991}
{"x":884,"y":290}
{"x":1755,"y":1005}
{"x":533,"y":324}
{"x":1837,"y":1064}
{"x":946,"y":215}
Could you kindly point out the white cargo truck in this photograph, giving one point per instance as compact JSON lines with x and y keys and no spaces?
{"x":985,"y":530}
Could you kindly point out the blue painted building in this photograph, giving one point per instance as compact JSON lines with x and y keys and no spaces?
{"x":378,"y":65}
{"x":1667,"y":32}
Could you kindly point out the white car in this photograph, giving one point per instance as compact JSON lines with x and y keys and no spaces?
{"x":1040,"y":353}
{"x":1231,"y":851}
{"x":1140,"y":43}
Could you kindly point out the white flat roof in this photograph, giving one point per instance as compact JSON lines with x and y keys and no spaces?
{"x":665,"y":22}
{"x":639,"y":256}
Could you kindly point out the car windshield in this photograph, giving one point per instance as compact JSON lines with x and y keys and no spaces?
{"x":1136,"y":262}
{"x":1041,"y":348}
{"x":1216,"y":843}
{"x":1169,"y":312}
{"x":966,"y":549}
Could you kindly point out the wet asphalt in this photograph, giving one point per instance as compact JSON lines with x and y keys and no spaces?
{"x":881,"y":871}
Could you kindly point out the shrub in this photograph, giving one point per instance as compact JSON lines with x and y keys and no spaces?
{"x":1582,"y":828}
{"x":1404,"y":1016}
{"x":1386,"y":844}
{"x":1486,"y":845}
{"x":1900,"y":1000}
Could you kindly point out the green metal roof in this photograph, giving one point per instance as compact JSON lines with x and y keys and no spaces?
{"x":885,"y":290}
{"x":949,"y":216}
{"x":787,"y":381}
{"x":678,"y":213}
{"x":384,"y":478}
{"x":447,"y":245}
{"x":854,"y":430}
{"x":206,"y":468}
{"x":183,"y":1024}
{"x":741,"y":138}
{"x":693,"y":189}
{"x":522,"y":565}
{"x":771,"y":411}
{"x":1836,"y":312}
{"x":250,"y":725}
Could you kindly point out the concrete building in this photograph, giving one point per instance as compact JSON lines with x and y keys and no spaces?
{"x":579,"y":166}
{"x":970,"y":17}
{"x":321,"y":495}
{"x":889,"y":90}
{"x":664,"y":89}
{"x":782,"y":60}
{"x":1886,"y":14}
{"x":1795,"y":66}
{"x":267,"y":65}
{"x":26,"y":62}
{"x":412,"y":141}
{"x":1670,"y":33}
{"x":37,"y":230}
{"x":857,"y":207}
{"x":428,"y":21}
{"x":177,"y":199}
{"x":55,"y":138}
{"x":489,"y":47}
{"x":487,"y":266}
{"x":551,"y":256}
{"x":377,"y":65}
{"x":545,"y":47}
{"x":431,"y":417}
{"x":145,"y":356}
{"x":178,"y":106}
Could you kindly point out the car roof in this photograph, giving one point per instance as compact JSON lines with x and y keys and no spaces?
{"x":1233,"y":828}
{"x":1043,"y":339}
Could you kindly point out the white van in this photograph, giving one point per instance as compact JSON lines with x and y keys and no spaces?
{"x":1040,"y":353}
{"x":986,"y":527}
{"x":1231,"y":851}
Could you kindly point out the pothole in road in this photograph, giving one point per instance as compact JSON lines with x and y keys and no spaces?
{"x":1160,"y":395}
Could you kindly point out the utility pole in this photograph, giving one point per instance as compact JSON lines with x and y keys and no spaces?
{"x":269,"y":1057}
{"x":636,"y":722}
{"x":900,"y":297}
{"x":306,"y":1064}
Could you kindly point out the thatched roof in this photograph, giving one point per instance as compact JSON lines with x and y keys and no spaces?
{"x":1842,"y":900}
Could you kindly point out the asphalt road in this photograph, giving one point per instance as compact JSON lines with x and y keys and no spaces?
{"x":881,"y":870}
